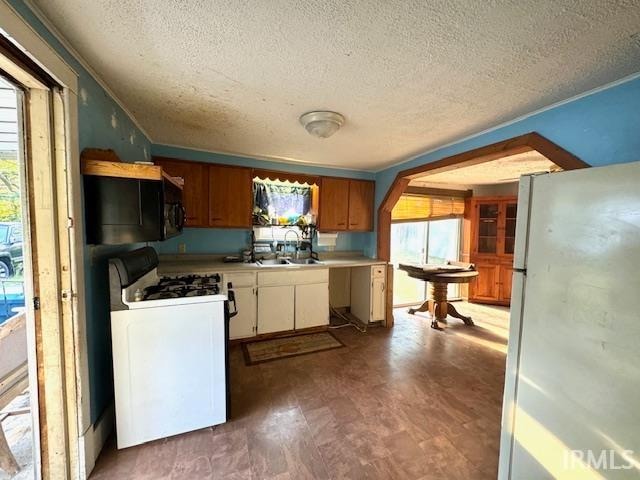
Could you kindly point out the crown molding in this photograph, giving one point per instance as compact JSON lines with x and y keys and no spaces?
{"x":256,"y":156}
{"x":74,"y":53}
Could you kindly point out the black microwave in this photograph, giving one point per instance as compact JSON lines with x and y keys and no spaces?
{"x":130,"y":210}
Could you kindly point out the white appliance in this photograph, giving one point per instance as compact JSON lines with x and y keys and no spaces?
{"x":170,"y":349}
{"x":572,"y":387}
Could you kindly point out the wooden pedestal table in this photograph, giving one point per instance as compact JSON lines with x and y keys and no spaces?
{"x":439,"y":277}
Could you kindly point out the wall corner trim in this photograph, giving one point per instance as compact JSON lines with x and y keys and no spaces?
{"x":93,"y":439}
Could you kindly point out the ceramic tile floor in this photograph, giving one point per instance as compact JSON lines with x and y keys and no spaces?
{"x":405,"y":403}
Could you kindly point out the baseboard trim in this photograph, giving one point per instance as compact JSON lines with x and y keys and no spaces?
{"x":94,"y":439}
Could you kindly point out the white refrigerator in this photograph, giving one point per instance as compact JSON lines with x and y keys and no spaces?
{"x":572,"y":387}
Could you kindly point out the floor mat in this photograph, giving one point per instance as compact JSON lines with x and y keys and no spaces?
{"x":274,"y":349}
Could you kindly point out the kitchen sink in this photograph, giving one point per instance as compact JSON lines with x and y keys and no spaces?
{"x":306,"y":261}
{"x":273,"y":262}
{"x":277,"y":262}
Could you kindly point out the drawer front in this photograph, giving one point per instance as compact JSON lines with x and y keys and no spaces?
{"x":377,"y":271}
{"x":239,"y":279}
{"x":274,"y":278}
{"x":312,"y":276}
{"x":293,"y":277}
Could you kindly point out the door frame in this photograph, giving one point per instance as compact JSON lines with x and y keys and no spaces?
{"x":524,"y":143}
{"x":55,"y":207}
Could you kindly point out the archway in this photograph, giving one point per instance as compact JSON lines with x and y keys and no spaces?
{"x":521,"y":144}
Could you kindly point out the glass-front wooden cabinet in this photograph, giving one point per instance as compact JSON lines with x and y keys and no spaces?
{"x":494,"y":225}
{"x":510,"y":211}
{"x":493,"y":238}
{"x":487,"y":241}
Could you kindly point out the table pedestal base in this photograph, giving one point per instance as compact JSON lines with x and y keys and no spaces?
{"x":438,"y":307}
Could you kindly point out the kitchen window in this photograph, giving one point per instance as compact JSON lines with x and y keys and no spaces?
{"x":282,"y":203}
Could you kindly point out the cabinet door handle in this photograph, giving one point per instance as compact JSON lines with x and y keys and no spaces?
{"x":215,"y":219}
{"x":341,"y":224}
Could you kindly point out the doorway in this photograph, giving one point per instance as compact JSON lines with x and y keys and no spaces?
{"x":18,"y":401}
{"x":44,"y":260}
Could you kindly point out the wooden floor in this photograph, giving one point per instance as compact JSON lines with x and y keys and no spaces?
{"x":406,"y":403}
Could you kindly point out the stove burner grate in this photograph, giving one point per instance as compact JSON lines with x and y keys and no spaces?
{"x":192,"y":280}
{"x":201,"y":292}
{"x":161,"y":295}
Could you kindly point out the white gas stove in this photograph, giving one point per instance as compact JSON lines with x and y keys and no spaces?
{"x":154,"y":291}
{"x":170,"y":349}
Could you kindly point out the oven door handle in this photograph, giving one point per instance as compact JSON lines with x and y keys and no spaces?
{"x":231,"y":296}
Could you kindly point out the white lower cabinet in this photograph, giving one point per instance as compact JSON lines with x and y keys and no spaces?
{"x":276,"y":308}
{"x":378,"y":300}
{"x":312,"y":305}
{"x":367,"y":293}
{"x":280,"y":301}
{"x":244,"y":324}
{"x":292,"y":300}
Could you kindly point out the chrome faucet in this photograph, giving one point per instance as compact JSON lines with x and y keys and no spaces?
{"x":297,"y":246}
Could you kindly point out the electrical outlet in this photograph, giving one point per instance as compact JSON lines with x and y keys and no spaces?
{"x":182,"y":248}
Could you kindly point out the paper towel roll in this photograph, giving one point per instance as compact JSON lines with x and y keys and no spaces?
{"x":327,"y":239}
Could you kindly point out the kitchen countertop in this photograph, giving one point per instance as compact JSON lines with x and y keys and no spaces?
{"x":181,"y":264}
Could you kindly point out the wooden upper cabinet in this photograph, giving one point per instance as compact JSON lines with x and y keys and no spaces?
{"x":345,"y":205}
{"x":361,"y":199}
{"x":230,"y":198}
{"x":221,"y":196}
{"x":195,"y":194}
{"x":334,"y":204}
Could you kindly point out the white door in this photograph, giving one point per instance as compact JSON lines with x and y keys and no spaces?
{"x":312,"y":305}
{"x":574,"y":406}
{"x":276,"y":308}
{"x":244,"y":324}
{"x":377,"y":299}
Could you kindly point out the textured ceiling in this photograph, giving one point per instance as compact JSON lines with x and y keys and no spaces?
{"x":408,"y":76}
{"x":503,"y":170}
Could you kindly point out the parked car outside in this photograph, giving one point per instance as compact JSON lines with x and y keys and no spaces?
{"x":10,"y":249}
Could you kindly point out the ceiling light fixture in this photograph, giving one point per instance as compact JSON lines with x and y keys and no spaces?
{"x":322,"y":124}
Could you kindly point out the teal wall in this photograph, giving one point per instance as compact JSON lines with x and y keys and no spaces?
{"x":231,"y":240}
{"x":601,"y":128}
{"x":222,"y":240}
{"x":102,"y":124}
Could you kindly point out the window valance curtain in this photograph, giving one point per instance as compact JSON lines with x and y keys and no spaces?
{"x":416,"y":208}
{"x":300,"y":178}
